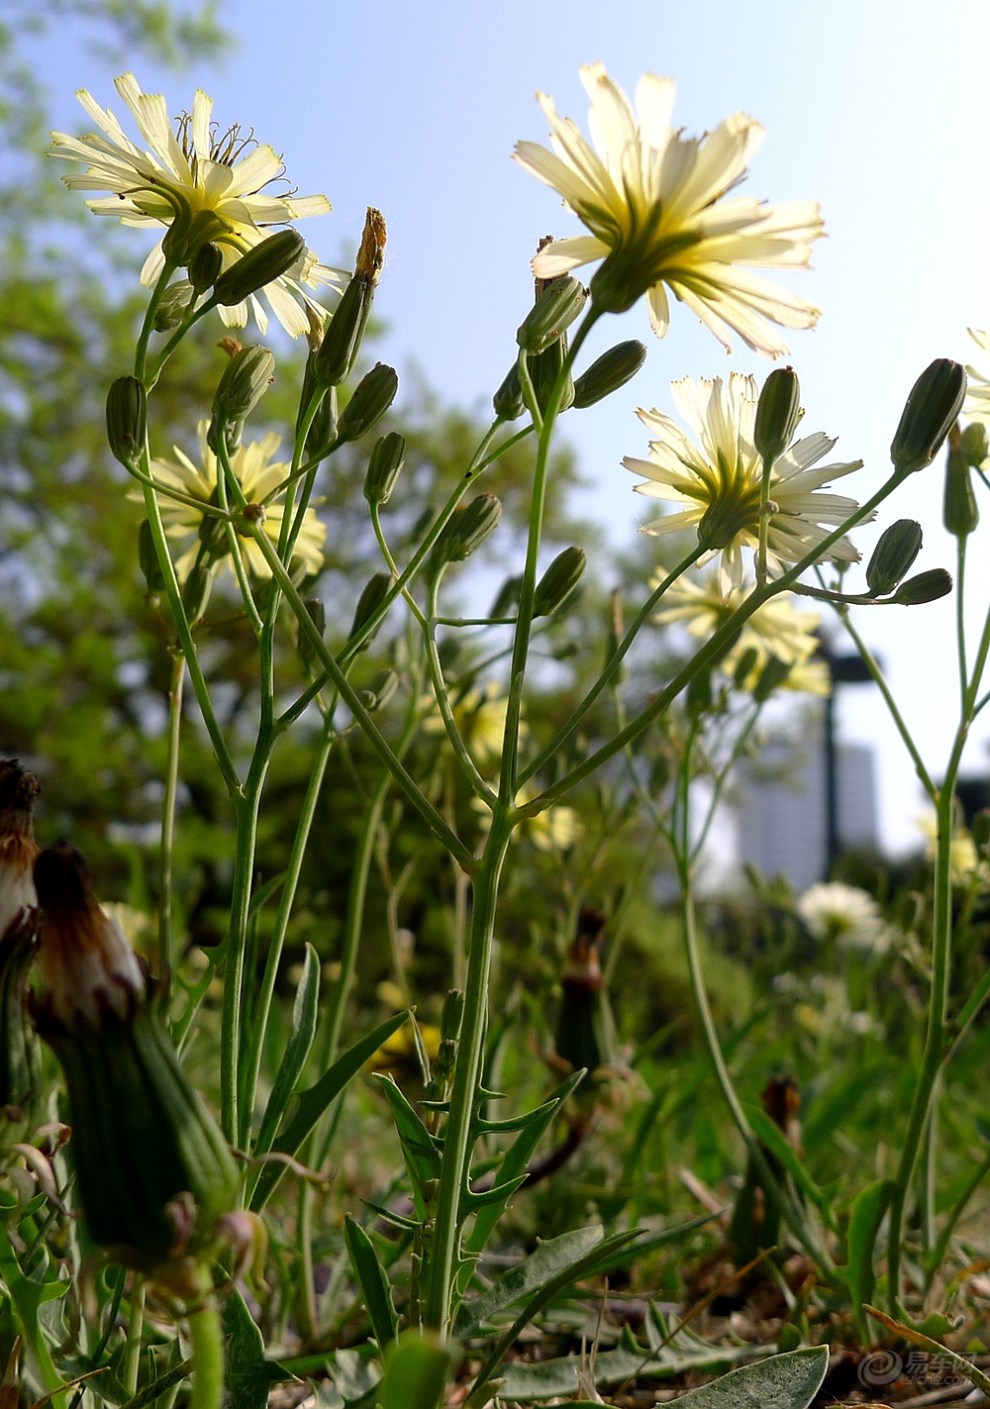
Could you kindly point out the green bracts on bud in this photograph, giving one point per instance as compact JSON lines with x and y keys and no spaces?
{"x":153,"y":1172}
{"x":770,"y":678}
{"x":544,"y":370}
{"x":317,"y":613}
{"x":507,"y":597}
{"x":980,"y":830}
{"x":188,"y":232}
{"x":931,"y":409}
{"x":553,"y":313}
{"x":508,"y":401}
{"x":372,"y":397}
{"x":960,"y":512}
{"x":745,"y":665}
{"x":386,"y":462}
{"x":375,"y":590}
{"x":335,"y":356}
{"x":778,"y":412}
{"x":377,"y":695}
{"x":196,"y":592}
{"x":893,"y":556}
{"x":973,"y":443}
{"x":323,"y":426}
{"x":127,"y":420}
{"x":259,"y":267}
{"x":174,"y":304}
{"x":246,"y":378}
{"x":559,"y":581}
{"x":205,"y":267}
{"x":609,"y":372}
{"x":467,"y":529}
{"x":926,"y":587}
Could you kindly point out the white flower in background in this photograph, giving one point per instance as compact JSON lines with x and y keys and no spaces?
{"x":192,"y":169}
{"x":656,"y":205}
{"x":716,"y":479}
{"x":846,"y":914}
{"x":258,"y":472}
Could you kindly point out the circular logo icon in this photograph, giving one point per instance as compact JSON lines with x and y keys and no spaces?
{"x":880,"y":1367}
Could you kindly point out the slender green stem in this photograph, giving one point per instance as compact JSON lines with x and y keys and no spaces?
{"x":262,"y":1009}
{"x":206,"y":1344}
{"x":460,"y":750}
{"x":166,"y":854}
{"x":445,"y":1246}
{"x":336,"y":674}
{"x":135,"y":1336}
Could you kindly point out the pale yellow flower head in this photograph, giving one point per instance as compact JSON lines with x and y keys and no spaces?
{"x":967,"y":869}
{"x":258,"y":472}
{"x":480,"y":718}
{"x":777,"y":630}
{"x":977,"y":403}
{"x":716,"y":479}
{"x":190,"y":167}
{"x":656,"y":205}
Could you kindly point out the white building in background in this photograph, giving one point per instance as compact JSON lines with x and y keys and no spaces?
{"x":781,"y":808}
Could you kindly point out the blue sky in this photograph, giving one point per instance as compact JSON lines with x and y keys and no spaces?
{"x":877,"y":109}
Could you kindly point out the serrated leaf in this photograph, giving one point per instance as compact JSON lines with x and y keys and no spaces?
{"x":374,"y":1283}
{"x":297,"y":1049}
{"x":419,"y":1148}
{"x":249,"y":1375}
{"x":550,"y":1257}
{"x":309,"y":1105}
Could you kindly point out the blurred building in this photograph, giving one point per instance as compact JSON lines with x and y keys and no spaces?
{"x":781,"y":805}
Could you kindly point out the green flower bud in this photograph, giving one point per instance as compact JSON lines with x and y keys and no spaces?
{"x":744,"y":668}
{"x":893,"y":556}
{"x":544,"y":369}
{"x":372,"y":397}
{"x":933,"y":405}
{"x":377,"y":695}
{"x":452,"y":1014}
{"x":345,"y":329}
{"x":127,"y":420}
{"x":153,"y":1172}
{"x":196,"y":592}
{"x":261,"y":266}
{"x":980,"y":830}
{"x":960,"y":512}
{"x":375,"y":591}
{"x":973,"y":444}
{"x":205,"y":267}
{"x":467,"y":529}
{"x":926,"y":587}
{"x":187,"y":234}
{"x":148,"y":560}
{"x":770,"y":678}
{"x":555,"y":310}
{"x":383,"y":468}
{"x":778,"y":412}
{"x":699,"y":695}
{"x":323,"y":426}
{"x":609,"y":372}
{"x":246,"y":378}
{"x":508,"y":400}
{"x":174,"y":304}
{"x":317,"y":613}
{"x":559,"y":581}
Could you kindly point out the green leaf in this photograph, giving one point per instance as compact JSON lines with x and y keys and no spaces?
{"x":374,"y":1283}
{"x":309,"y":1105}
{"x":551,"y":1257}
{"x":249,"y":1375}
{"x":419,"y":1148}
{"x":417,"y":1369}
{"x":788,"y":1381}
{"x":297,"y":1050}
{"x":516,"y":1163}
{"x":865,"y":1217}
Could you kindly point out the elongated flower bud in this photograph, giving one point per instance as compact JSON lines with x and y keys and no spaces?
{"x":545,"y":369}
{"x":384,"y":467}
{"x":372,"y":397}
{"x":373,"y":594}
{"x":609,"y":372}
{"x":778,"y":412}
{"x":559,"y":580}
{"x":246,"y":378}
{"x":205,"y":267}
{"x":508,"y":401}
{"x":127,"y":420}
{"x":960,"y":512}
{"x":345,"y":330}
{"x":468,"y":529}
{"x":925,"y":587}
{"x":317,"y":613}
{"x":556,"y":308}
{"x":261,"y":266}
{"x":153,"y":1173}
{"x":933,"y":405}
{"x":174,"y":304}
{"x":893,"y":556}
